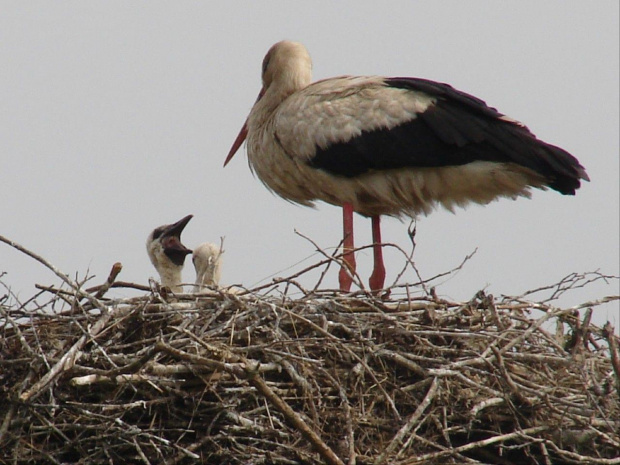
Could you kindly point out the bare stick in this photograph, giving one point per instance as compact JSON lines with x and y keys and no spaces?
{"x":67,"y":361}
{"x":474,"y":445}
{"x":569,"y":282}
{"x":323,"y":449}
{"x":57,"y":272}
{"x":335,"y":257}
{"x":116,"y":269}
{"x":40,"y":259}
{"x":610,"y":337}
{"x":413,"y":419}
{"x":123,"y":284}
{"x":250,"y":371}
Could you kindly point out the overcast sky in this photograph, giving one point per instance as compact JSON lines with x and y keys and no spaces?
{"x":115,"y":118}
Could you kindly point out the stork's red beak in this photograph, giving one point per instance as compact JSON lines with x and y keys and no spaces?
{"x":238,"y":141}
{"x":242,"y":134}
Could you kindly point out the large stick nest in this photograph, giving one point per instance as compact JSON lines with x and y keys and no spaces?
{"x":247,"y":378}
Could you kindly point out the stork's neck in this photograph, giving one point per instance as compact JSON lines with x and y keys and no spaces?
{"x":275,"y":95}
{"x":291,"y":79}
{"x":295,"y":76}
{"x":208,"y":277}
{"x":208,"y":272}
{"x":204,"y":278}
{"x":171,"y":277}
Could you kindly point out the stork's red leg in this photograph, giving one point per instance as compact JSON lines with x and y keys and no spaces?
{"x":377,"y":278}
{"x":345,"y":277}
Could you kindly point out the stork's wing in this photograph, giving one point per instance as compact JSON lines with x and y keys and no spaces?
{"x":356,"y":125}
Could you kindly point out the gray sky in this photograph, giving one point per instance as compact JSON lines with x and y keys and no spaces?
{"x":116,"y":117}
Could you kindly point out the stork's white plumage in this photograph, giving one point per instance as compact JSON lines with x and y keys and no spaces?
{"x":207,"y":258}
{"x":388,"y":146}
{"x":167,"y":253}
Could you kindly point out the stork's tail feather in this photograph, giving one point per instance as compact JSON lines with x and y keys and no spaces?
{"x":564,"y":172}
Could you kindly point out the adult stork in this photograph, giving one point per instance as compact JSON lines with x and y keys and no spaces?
{"x":167,"y":253}
{"x":207,"y":259}
{"x":388,"y":146}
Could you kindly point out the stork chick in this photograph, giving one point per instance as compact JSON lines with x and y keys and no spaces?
{"x":207,"y":259}
{"x":167,"y":253}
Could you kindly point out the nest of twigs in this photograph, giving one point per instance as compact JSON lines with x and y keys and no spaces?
{"x":257,"y":377}
{"x":225,"y":378}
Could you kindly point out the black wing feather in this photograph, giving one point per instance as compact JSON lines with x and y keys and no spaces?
{"x":458,"y":129}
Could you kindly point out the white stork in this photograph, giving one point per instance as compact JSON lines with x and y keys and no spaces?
{"x":167,"y":253}
{"x":207,"y":259}
{"x":388,"y":146}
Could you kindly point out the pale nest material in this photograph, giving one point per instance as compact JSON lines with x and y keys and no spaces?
{"x":218,"y":378}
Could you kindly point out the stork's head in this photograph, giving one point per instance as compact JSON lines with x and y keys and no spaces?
{"x":287,"y":68}
{"x":165,"y":249}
